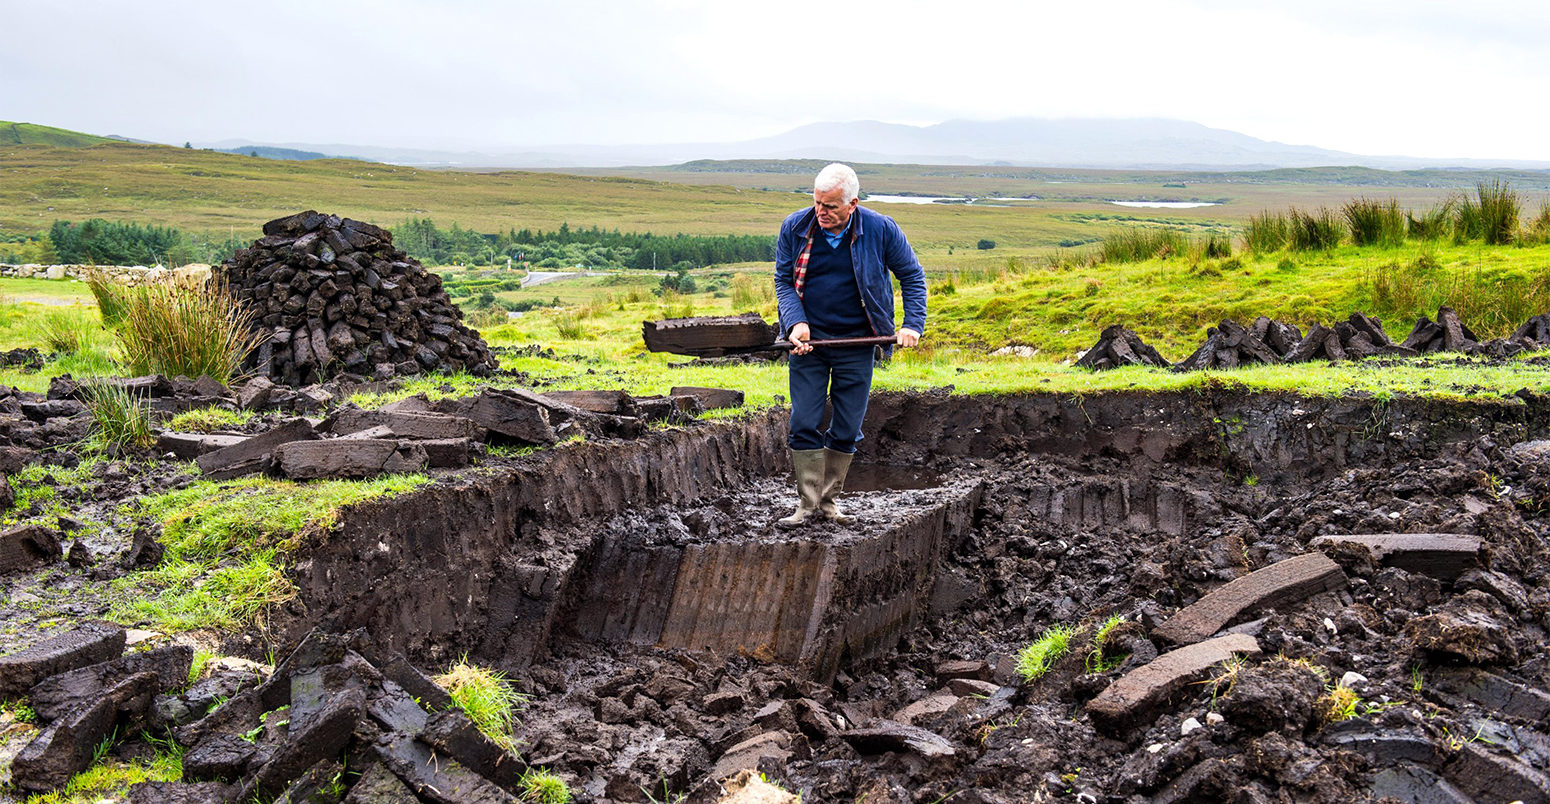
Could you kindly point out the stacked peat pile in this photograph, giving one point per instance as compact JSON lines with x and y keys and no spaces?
{"x":1118,"y":346}
{"x":332,"y":295}
{"x":1357,"y":337}
{"x":1446,"y":334}
{"x":1229,"y":345}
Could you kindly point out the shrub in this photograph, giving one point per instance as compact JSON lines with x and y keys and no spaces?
{"x":1375,"y":223}
{"x":1266,"y":232}
{"x":1310,"y":231}
{"x":985,"y":245}
{"x":1141,"y":244}
{"x":119,"y":418}
{"x":185,"y":331}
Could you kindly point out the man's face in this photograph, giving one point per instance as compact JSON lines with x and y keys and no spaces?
{"x":833,"y":210}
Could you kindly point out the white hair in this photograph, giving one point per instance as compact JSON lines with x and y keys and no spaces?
{"x":839,"y":176}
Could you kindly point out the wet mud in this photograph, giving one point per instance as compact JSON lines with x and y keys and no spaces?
{"x":669,"y":635}
{"x":1268,"y":641}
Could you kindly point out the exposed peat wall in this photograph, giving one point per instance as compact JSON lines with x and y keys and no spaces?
{"x":495,"y":564}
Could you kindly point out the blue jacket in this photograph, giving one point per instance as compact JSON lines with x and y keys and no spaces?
{"x":877,"y":248}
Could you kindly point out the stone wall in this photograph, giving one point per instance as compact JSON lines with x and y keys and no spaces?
{"x":132,"y":275}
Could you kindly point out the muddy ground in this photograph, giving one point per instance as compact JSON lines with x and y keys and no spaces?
{"x":1125,"y":505}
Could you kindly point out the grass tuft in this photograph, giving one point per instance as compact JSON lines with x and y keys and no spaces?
{"x":208,"y":420}
{"x":112,"y":297}
{"x":1338,"y":703}
{"x":1037,"y":659}
{"x":1266,"y":232}
{"x":1314,"y":231}
{"x":175,"y":331}
{"x":1138,"y":244}
{"x":540,"y":786}
{"x":1375,"y":223}
{"x":119,"y":419}
{"x":486,"y":697}
{"x":1097,"y":660}
{"x":1490,"y":215}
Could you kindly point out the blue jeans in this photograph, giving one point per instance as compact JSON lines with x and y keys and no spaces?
{"x":841,"y":375}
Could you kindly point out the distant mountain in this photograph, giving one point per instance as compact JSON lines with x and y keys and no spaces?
{"x":1124,"y":143}
{"x":271,"y":152}
{"x":1127,"y":143}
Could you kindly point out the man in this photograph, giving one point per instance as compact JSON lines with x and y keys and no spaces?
{"x":832,"y":266}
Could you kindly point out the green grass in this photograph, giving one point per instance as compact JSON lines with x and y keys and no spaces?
{"x":120,"y":419}
{"x":208,"y":420}
{"x":540,"y":786}
{"x":1039,"y":657}
{"x":487,"y":698}
{"x":110,"y":780}
{"x":228,"y":544}
{"x":33,"y":134}
{"x":1097,"y":661}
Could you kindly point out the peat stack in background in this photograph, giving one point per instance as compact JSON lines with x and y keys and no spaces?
{"x":1532,"y":336}
{"x":332,"y":295}
{"x":709,"y":336}
{"x":1118,"y":346}
{"x":1446,"y":334}
{"x":1228,"y":345}
{"x":1357,"y":337}
{"x":1280,"y":336}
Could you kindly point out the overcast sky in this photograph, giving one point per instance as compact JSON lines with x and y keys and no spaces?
{"x":1466,"y":78}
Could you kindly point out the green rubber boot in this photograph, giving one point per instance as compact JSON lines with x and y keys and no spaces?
{"x":835,"y":466}
{"x":808,"y":467}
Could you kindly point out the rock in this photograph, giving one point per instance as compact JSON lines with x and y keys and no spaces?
{"x":1189,"y":725}
{"x":28,"y":547}
{"x":84,"y":645}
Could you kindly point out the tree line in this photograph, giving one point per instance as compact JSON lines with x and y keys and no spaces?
{"x":566,"y":247}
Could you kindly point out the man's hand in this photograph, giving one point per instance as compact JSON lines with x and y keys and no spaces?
{"x":799,"y":336}
{"x":906,"y":337}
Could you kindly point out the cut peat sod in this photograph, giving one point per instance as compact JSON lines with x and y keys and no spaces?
{"x":1308,"y":599}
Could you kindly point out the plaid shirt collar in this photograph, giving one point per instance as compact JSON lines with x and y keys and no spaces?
{"x":852,"y":231}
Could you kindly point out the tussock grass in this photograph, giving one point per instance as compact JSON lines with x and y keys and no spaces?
{"x":1491,"y":215}
{"x":208,"y":420}
{"x":1137,"y":244}
{"x":1266,"y":232}
{"x":119,"y":418}
{"x":112,"y":297}
{"x":185,"y":331}
{"x":486,"y":697}
{"x":1314,"y":231}
{"x":1036,"y":659}
{"x":66,"y":330}
{"x":1375,"y":223}
{"x":1432,"y":224}
{"x":540,"y":786}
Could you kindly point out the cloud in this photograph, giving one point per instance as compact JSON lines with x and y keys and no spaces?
{"x":1373,"y":77}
